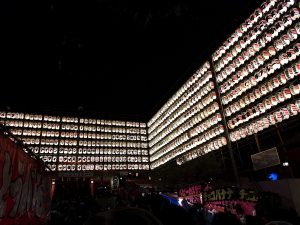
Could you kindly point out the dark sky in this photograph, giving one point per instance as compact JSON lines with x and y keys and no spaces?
{"x":116,"y":58}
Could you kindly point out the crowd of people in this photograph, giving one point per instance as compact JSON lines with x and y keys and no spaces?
{"x":264,"y":214}
{"x":150,"y":208}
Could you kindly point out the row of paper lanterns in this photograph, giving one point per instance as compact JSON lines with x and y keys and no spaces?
{"x":266,"y":121}
{"x":201,"y":85}
{"x":270,"y":33}
{"x":191,"y":110}
{"x":267,"y":88}
{"x":267,"y":104}
{"x":260,"y":60}
{"x":249,"y":23}
{"x":211,"y":146}
{"x":190,"y":143}
{"x":99,"y":167}
{"x":198,"y":118}
{"x":93,"y":151}
{"x":288,"y":74}
{"x":201,"y":71}
{"x":198,"y":101}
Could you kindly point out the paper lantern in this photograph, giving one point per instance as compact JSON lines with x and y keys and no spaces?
{"x":285,"y":113}
{"x":296,"y":68}
{"x":253,"y":81}
{"x":292,"y":33}
{"x":290,"y":73}
{"x":243,"y":86}
{"x":287,"y":19}
{"x":280,"y":96}
{"x":263,"y":89}
{"x":297,"y":103}
{"x":247,"y":38}
{"x":243,"y":132}
{"x":252,"y":97}
{"x":237,"y":106}
{"x":272,"y":50}
{"x":223,"y":87}
{"x":283,"y":58}
{"x":254,"y":33}
{"x":255,"y":127}
{"x":279,"y":44}
{"x":297,"y":28}
{"x":297,"y":49}
{"x":287,"y":93}
{"x":292,"y":109}
{"x":257,"y":93}
{"x":291,"y":54}
{"x":283,"y":7}
{"x":251,"y":51}
{"x":255,"y":110}
{"x":258,"y":13}
{"x":239,"y":119}
{"x":241,"y":45}
{"x":245,"y":116}
{"x":249,"y":129}
{"x":256,"y":47}
{"x":274,"y":100}
{"x":260,"y":60}
{"x":278,"y":116}
{"x":221,"y":129}
{"x":270,"y":68}
{"x":266,"y":122}
{"x":239,"y":75}
{"x":263,"y":24}
{"x":295,"y":89}
{"x":264,"y":6}
{"x":275,"y":82}
{"x":250,"y":113}
{"x":276,"y":64}
{"x":232,"y":136}
{"x":294,"y":13}
{"x":285,"y":39}
{"x":246,"y":100}
{"x":264,"y":73}
{"x":259,"y":125}
{"x":261,"y":107}
{"x":279,"y":26}
{"x":274,"y":12}
{"x":234,"y":78}
{"x":265,"y":55}
{"x":242,"y":103}
{"x":270,"y":18}
{"x":271,"y":119}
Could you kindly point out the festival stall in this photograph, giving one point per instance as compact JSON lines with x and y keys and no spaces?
{"x":24,"y":185}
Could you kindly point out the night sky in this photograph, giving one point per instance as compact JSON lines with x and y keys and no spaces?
{"x":117,"y":59}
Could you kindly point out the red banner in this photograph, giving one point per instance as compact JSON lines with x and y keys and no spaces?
{"x":24,"y":186}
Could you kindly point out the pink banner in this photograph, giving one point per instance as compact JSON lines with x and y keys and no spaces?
{"x":24,"y":186}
